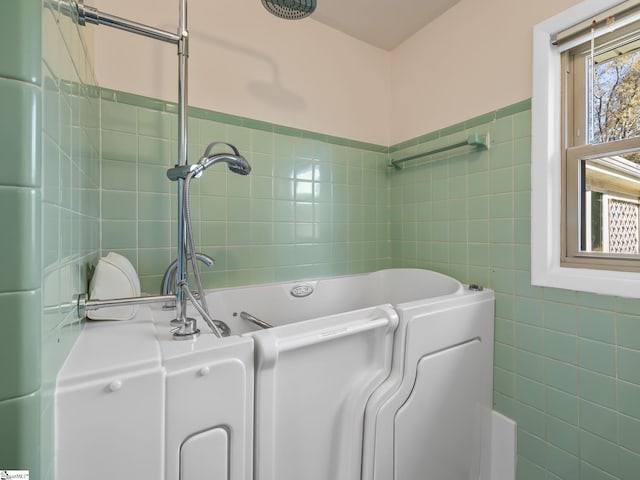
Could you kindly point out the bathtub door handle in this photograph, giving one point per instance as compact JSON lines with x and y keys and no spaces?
{"x":331,"y":334}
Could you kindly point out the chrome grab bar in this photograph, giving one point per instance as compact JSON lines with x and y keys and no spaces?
{"x":476,"y":140}
{"x":250,"y":318}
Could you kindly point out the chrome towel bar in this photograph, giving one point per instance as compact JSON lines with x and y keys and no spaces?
{"x":477,"y":140}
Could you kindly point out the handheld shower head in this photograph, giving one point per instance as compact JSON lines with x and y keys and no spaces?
{"x":290,"y":9}
{"x":235,"y":162}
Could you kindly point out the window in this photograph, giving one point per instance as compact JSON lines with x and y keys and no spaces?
{"x":601,"y":156}
{"x":586,"y":149}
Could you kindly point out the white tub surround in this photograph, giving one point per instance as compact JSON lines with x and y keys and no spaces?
{"x":380,"y":376}
{"x":504,"y":459}
{"x":133,"y":403}
{"x":110,"y":405}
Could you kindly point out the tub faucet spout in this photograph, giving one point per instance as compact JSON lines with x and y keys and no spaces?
{"x":169,"y":278}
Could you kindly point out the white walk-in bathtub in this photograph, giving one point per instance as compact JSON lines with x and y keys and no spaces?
{"x":379,"y":376}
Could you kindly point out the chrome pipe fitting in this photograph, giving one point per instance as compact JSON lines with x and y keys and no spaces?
{"x":84,"y":305}
{"x":186,"y":330}
{"x":94,"y":16}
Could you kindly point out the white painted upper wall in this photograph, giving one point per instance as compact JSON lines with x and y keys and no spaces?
{"x":473,"y":59}
{"x":246,"y":62}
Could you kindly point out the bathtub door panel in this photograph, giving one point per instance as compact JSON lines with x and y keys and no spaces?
{"x":425,"y":332}
{"x":438,"y":429}
{"x":312,"y":388}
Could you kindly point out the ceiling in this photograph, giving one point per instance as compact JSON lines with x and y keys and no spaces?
{"x":382,"y":23}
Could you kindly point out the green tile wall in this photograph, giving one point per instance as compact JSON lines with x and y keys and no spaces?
{"x":49,"y":190}
{"x":313,"y":205}
{"x":19,"y":24}
{"x":566,"y":363}
{"x":20,"y":286}
{"x":70,"y":199}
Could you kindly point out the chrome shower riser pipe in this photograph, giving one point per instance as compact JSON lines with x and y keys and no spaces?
{"x":94,"y":16}
{"x":86,"y":14}
{"x":185,"y":328}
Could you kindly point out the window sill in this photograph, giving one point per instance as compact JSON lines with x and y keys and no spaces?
{"x":604,"y":282}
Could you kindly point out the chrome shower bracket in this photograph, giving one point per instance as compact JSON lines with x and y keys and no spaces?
{"x":181,"y":171}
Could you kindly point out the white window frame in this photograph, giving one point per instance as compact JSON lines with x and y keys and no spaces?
{"x":546,"y":162}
